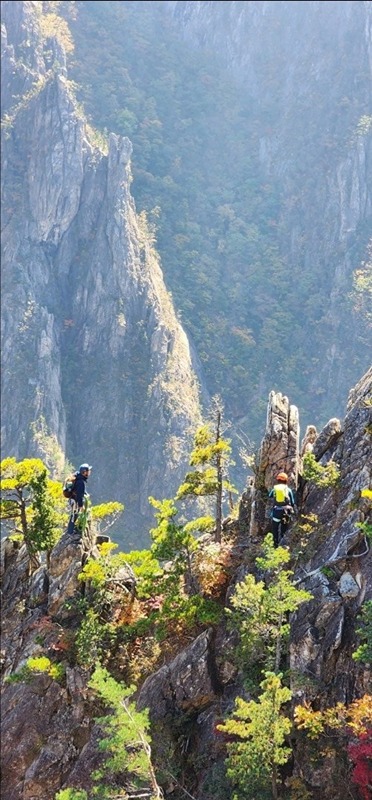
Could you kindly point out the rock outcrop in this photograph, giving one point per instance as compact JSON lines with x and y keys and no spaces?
{"x":323,"y":630}
{"x":340,"y":567}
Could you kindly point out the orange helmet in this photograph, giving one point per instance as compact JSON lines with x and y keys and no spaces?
{"x":282,"y":477}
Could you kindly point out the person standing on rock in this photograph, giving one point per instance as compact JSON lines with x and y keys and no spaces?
{"x":283,"y":507}
{"x":79,"y":503}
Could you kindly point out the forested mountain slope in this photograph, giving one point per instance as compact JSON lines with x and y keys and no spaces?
{"x":244,"y":131}
{"x":251,"y":131}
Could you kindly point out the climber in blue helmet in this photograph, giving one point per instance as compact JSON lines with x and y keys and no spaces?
{"x":80,"y":493}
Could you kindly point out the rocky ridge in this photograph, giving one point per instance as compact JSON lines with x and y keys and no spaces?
{"x":48,"y":727}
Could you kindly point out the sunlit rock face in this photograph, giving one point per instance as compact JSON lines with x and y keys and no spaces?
{"x":328,"y":622}
{"x":93,"y":354}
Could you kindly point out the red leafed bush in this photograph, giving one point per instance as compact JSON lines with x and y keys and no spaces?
{"x":360,"y":753}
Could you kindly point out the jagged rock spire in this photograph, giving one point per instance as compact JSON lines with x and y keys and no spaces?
{"x":279,"y":451}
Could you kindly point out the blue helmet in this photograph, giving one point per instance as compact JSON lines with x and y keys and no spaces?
{"x":84,"y":467}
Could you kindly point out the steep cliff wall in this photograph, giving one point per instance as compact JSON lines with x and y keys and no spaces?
{"x":93,"y":354}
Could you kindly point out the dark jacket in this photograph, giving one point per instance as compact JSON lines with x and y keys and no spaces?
{"x":80,"y":489}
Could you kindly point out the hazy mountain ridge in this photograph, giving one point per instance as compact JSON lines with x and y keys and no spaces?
{"x":269,"y":206}
{"x":320,"y":90}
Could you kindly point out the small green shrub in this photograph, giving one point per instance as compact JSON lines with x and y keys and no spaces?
{"x":328,"y":572}
{"x":324,"y":477}
{"x":364,"y":652}
{"x":71,"y":794}
{"x":37,"y":666}
{"x":89,"y":639}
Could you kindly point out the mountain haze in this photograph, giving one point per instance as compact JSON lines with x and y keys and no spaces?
{"x":251,"y":131}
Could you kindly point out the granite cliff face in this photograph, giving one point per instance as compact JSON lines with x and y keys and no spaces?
{"x":93,"y":354}
{"x":48,"y":727}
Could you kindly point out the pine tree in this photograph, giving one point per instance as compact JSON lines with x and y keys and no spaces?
{"x":126,"y":740}
{"x":260,"y":730}
{"x":43,"y":531}
{"x":260,"y":611}
{"x":210,"y":459}
{"x":28,"y":504}
{"x":173,"y":546}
